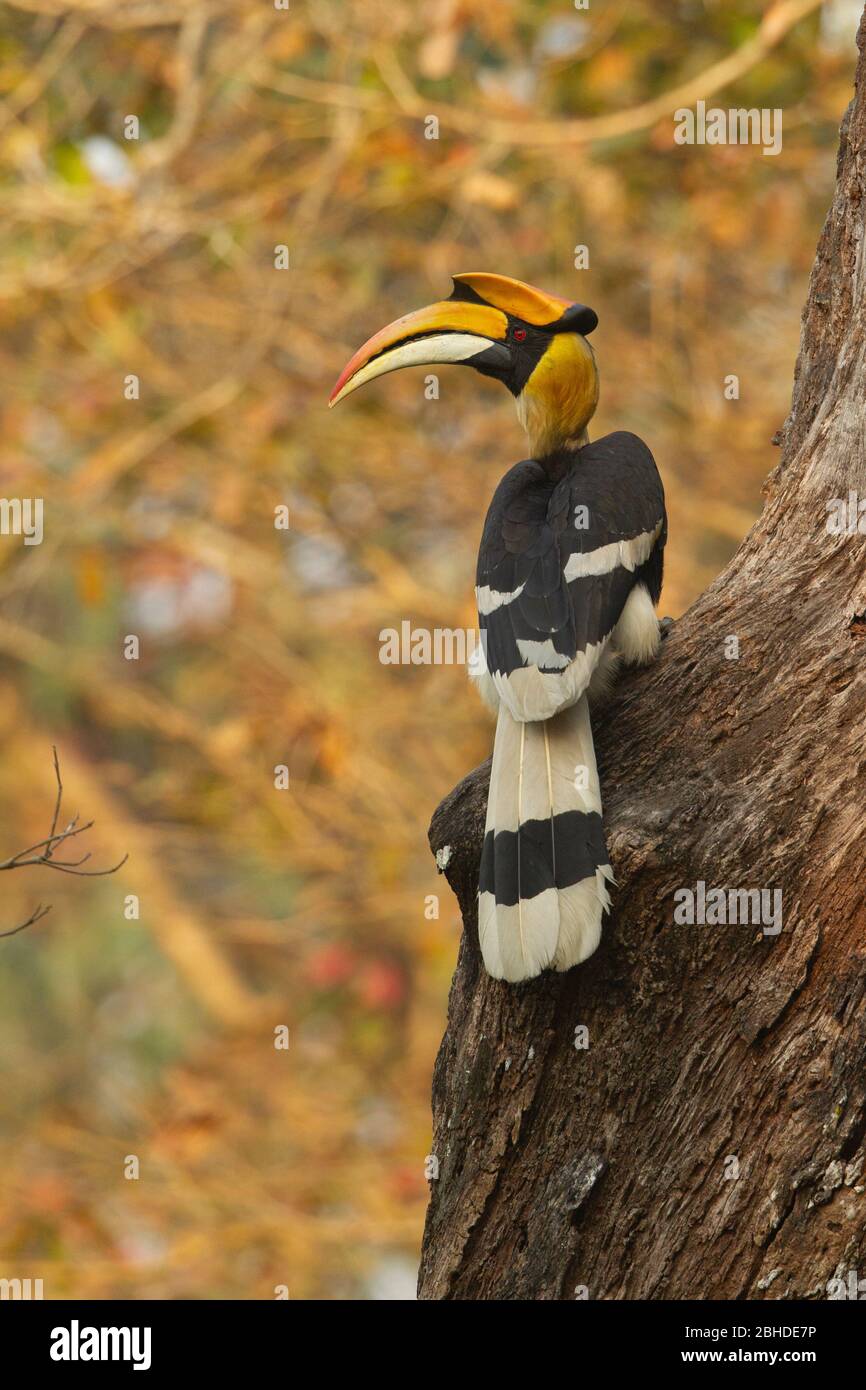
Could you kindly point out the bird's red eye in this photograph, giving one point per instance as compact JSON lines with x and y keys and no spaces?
{"x":519,"y":335}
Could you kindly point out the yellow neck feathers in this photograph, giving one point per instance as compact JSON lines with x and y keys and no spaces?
{"x":559,"y":399}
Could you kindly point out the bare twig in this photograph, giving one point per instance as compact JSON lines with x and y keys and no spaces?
{"x":35,"y":916}
{"x":34,"y":84}
{"x":43,"y":853}
{"x":189,"y":90}
{"x":403,"y":99}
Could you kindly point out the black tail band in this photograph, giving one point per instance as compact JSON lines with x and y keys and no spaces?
{"x":580,"y":849}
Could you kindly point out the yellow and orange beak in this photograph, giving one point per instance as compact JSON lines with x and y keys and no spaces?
{"x":450,"y":331}
{"x":482,"y":325}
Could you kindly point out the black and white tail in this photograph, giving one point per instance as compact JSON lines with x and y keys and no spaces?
{"x":544,"y":866}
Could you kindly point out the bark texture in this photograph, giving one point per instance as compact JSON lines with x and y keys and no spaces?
{"x":609,"y":1168}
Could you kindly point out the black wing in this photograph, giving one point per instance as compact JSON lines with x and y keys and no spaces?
{"x":558,"y":560}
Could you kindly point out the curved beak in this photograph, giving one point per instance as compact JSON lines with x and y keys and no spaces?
{"x":450,"y":331}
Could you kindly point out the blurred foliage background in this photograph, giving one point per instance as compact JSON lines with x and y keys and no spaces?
{"x":262,"y":127}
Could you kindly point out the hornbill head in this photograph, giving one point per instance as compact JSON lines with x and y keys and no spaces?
{"x":531,"y":341}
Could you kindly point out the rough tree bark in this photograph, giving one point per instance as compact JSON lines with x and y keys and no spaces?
{"x":610,"y":1167}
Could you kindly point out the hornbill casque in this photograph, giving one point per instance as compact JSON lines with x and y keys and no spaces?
{"x":569,"y":573}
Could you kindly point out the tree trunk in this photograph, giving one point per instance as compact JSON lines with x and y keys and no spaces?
{"x":708,"y":1142}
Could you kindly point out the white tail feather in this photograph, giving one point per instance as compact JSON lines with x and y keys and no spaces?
{"x":540,"y":770}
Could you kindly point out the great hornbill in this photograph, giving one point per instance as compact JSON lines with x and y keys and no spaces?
{"x":569,"y":573}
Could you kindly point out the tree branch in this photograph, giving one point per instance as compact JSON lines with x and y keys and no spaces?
{"x":43,"y":853}
{"x":404,"y":100}
{"x":683,"y":1116}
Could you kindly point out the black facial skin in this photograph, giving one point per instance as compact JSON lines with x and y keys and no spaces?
{"x":514,"y":360}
